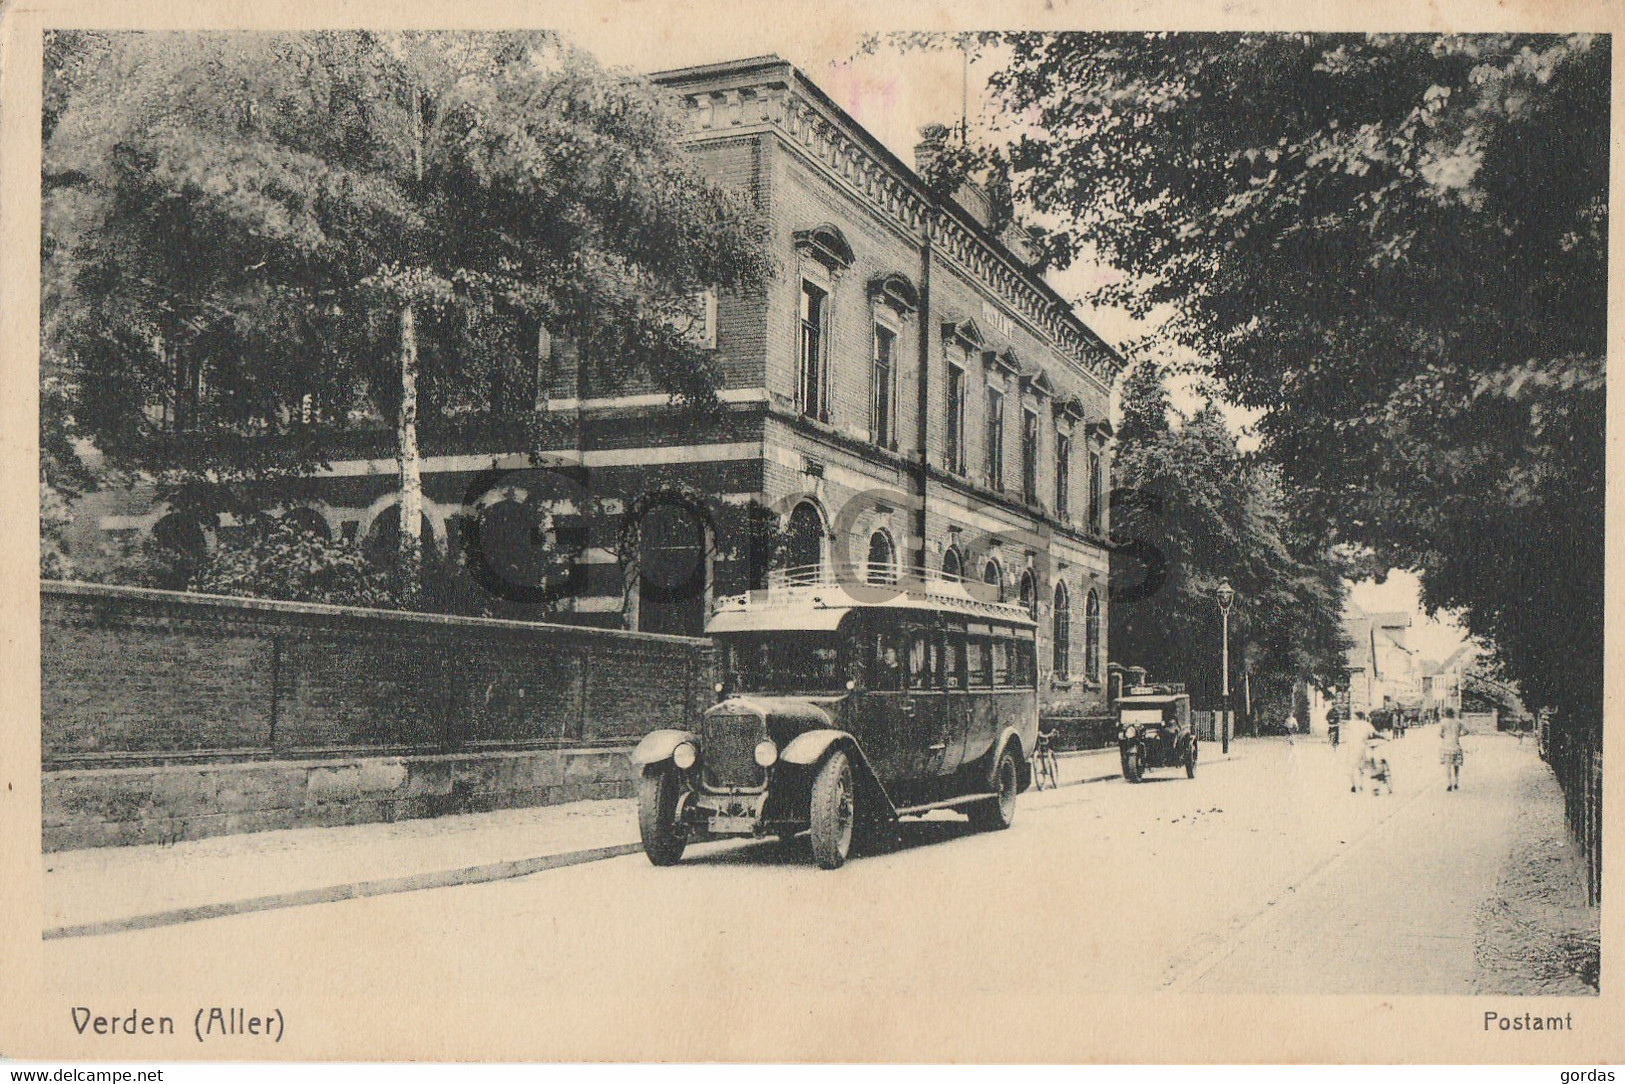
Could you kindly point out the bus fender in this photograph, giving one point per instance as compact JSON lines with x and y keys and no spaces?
{"x":1023,"y":765}
{"x":657,"y":746}
{"x":812,"y":746}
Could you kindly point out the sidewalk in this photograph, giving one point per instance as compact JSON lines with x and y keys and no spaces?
{"x":1435,"y":899}
{"x":112,"y":889}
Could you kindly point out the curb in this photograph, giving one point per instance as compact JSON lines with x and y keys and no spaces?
{"x":414,"y":882}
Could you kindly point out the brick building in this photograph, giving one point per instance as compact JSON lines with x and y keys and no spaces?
{"x":908,"y":391}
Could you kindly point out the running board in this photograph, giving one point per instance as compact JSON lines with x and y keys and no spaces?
{"x":947,"y":803}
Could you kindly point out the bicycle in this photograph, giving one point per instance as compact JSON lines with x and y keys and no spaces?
{"x":1046,"y":768}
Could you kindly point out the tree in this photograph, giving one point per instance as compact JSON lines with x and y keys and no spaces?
{"x":258,"y":242}
{"x":1396,"y":247}
{"x":1392,"y":245}
{"x":1210,"y":514}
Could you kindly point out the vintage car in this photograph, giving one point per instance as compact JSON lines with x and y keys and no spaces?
{"x":1154,"y":730}
{"x":843,"y":706}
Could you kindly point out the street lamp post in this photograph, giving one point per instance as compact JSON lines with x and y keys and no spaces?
{"x":1227,"y":597}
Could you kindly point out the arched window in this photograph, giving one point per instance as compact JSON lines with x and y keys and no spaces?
{"x":1029,"y":593}
{"x":952,"y":564}
{"x":993,"y":576}
{"x":1091,"y":636}
{"x":1063,"y":632}
{"x":882,"y":566}
{"x":804,"y":544}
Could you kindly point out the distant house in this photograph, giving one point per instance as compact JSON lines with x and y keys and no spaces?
{"x":1380,"y":665}
{"x":1442,"y":681}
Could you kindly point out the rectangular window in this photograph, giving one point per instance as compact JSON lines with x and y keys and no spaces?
{"x":1001,"y":662}
{"x":1029,"y":456}
{"x":922,"y":661}
{"x":1063,"y":476}
{"x":1024,"y":664}
{"x":954,"y":436}
{"x":882,"y":420}
{"x":886,"y":664}
{"x":812,"y":395}
{"x":995,"y":438}
{"x":1097,"y":511}
{"x":954,"y":660}
{"x":976,"y":662}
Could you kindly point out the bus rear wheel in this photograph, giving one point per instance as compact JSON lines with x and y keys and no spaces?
{"x":999,"y":812}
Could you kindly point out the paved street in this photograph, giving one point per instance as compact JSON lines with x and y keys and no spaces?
{"x":1264,"y":874}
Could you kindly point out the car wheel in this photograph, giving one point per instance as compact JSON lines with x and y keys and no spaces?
{"x":1190,"y":762}
{"x":834,"y":812}
{"x":1132,"y":768}
{"x":657,"y":815}
{"x":999,"y":813}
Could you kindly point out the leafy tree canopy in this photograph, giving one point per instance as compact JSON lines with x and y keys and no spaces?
{"x":233,"y":221}
{"x":1211,"y":514}
{"x":1393,"y":245}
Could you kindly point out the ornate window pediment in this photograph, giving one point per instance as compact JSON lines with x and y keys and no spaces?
{"x":1036,"y":379}
{"x":895,"y":292}
{"x":965,"y":332}
{"x":1005,"y":359}
{"x":1070,"y":407}
{"x":1101,"y":430}
{"x":826,"y":244}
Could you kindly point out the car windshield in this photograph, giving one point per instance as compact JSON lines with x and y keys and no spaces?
{"x":783,"y":662}
{"x":1143,"y":716}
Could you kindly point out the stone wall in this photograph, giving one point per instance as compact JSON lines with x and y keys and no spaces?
{"x":170,"y":716}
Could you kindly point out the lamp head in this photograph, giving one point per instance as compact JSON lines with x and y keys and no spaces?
{"x":1227,"y":595}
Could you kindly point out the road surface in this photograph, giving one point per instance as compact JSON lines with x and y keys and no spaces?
{"x":1262,"y":875}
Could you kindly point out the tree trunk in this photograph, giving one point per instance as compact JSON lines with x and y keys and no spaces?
{"x":406,"y":433}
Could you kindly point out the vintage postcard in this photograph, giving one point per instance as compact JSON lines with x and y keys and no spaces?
{"x":726,"y":532}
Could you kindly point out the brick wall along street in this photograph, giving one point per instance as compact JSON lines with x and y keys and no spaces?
{"x":168,"y":716}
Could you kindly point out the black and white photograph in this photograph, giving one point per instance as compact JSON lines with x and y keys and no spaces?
{"x":723,"y":534}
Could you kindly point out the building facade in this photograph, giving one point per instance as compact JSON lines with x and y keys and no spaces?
{"x":1381,"y":667}
{"x":907,"y":392}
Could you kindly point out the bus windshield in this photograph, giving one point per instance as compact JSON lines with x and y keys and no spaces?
{"x":783,"y":662}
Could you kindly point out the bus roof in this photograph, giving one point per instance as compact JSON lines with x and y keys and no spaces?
{"x":817,"y":600}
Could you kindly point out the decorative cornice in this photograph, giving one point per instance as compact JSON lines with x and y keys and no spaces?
{"x":770,"y":91}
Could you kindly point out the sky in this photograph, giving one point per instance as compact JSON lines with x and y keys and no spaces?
{"x":893,"y":94}
{"x":1430,"y":638}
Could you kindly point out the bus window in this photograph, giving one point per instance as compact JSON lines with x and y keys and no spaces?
{"x":954,"y":660}
{"x":885,"y":662}
{"x":919,"y":661}
{"x":1024,"y":664}
{"x":976,"y":660}
{"x":1001,"y":661}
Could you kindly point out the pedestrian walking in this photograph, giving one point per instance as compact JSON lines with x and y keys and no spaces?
{"x":1451,"y":728}
{"x":1332,"y":725}
{"x":1291,"y":729}
{"x":1359,"y":730}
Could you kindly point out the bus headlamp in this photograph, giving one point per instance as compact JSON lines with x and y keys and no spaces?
{"x":767,"y":754}
{"x":1129,"y":731}
{"x":685,"y":755}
